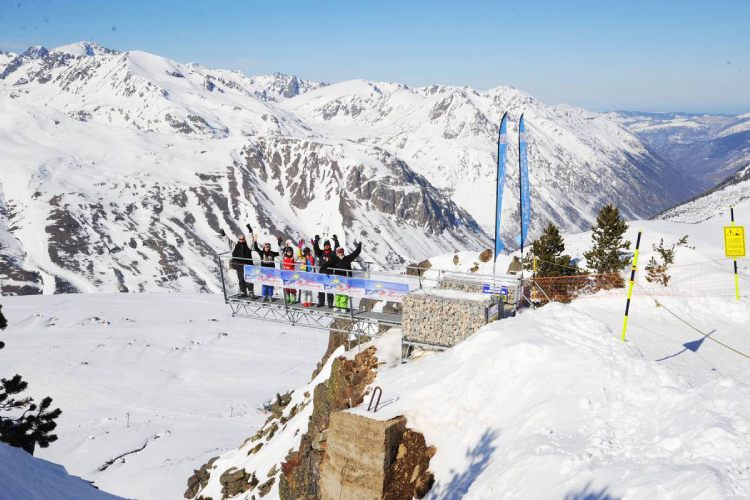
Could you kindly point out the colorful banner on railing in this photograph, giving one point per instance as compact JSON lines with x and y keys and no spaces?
{"x":302,"y":280}
{"x":353,"y":287}
{"x":263,"y":276}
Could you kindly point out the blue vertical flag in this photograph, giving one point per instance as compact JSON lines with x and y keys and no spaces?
{"x":502,"y":149}
{"x":523,"y":164}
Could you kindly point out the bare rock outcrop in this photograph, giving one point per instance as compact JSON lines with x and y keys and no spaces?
{"x":344,"y":389}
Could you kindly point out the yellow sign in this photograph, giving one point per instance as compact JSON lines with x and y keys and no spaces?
{"x":734,"y":241}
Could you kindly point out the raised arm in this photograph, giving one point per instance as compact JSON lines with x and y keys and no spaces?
{"x":335,"y":242}
{"x":316,"y":246}
{"x":350,"y":258}
{"x":252,"y":238}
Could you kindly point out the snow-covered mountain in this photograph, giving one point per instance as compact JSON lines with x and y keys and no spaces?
{"x":120,"y":167}
{"x":711,"y":147}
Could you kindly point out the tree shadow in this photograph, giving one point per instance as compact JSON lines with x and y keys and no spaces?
{"x":692,"y":346}
{"x":479,"y":457}
{"x":589,"y":494}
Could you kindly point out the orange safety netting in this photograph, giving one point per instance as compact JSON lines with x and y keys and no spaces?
{"x":567,"y":288}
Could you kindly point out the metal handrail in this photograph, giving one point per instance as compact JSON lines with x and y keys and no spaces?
{"x":443,"y":273}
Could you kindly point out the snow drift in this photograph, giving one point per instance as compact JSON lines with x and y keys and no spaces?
{"x":30,"y":478}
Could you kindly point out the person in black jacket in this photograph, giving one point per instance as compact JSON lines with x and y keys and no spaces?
{"x":341,"y":265}
{"x":267,"y":259}
{"x":242,"y":255}
{"x":324,"y":256}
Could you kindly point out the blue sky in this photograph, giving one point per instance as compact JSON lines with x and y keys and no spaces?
{"x":653,"y":56}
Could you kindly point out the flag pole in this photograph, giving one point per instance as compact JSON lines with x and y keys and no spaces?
{"x":497,"y":186}
{"x":502,"y":145}
{"x":520,"y":188}
{"x":736,"y":277}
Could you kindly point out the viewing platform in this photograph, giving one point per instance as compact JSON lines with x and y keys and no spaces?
{"x":379,"y":299}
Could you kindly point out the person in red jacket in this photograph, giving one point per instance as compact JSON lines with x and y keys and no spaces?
{"x":289,"y":263}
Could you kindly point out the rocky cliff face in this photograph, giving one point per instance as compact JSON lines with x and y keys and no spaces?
{"x":344,"y":389}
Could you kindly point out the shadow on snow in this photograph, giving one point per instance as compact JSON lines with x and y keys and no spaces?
{"x":478,"y":457}
{"x":589,"y":494}
{"x":689,"y":346}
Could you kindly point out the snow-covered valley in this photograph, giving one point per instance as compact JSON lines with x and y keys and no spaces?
{"x":175,"y":373}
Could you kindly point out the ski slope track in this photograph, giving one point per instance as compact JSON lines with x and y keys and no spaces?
{"x":119,"y":168}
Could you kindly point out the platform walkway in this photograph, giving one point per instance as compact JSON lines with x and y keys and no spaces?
{"x":355,"y":321}
{"x":365,"y":317}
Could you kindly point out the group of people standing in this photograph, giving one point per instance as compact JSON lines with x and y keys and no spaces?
{"x":327,"y":260}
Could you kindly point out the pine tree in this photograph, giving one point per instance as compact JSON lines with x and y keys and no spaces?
{"x":607,"y":255}
{"x":548,"y":250}
{"x":658,"y":271}
{"x":29,"y":425}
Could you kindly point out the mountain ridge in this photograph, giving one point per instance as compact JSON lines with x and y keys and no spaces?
{"x":130,"y":163}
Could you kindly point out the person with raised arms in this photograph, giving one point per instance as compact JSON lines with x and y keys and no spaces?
{"x":267,"y":259}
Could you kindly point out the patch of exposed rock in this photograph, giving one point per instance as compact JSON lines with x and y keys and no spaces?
{"x":199,"y":479}
{"x":409,"y":474}
{"x":344,"y":389}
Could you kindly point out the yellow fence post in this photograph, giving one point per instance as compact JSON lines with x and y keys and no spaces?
{"x":736,"y":277}
{"x":630,"y":288}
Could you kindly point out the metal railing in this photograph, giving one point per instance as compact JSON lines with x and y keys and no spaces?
{"x":360,"y":320}
{"x":429,"y":278}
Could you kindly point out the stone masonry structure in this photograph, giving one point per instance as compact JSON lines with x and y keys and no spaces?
{"x":461,"y":284}
{"x":444,"y":317}
{"x":358,"y":457}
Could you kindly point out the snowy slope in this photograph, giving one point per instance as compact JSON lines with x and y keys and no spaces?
{"x":31,"y":478}
{"x":551,"y":404}
{"x":120,"y":167}
{"x":175,"y":373}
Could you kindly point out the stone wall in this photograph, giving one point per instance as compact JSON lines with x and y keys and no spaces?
{"x":444,"y":317}
{"x":463,"y":285}
{"x":358,"y":456}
